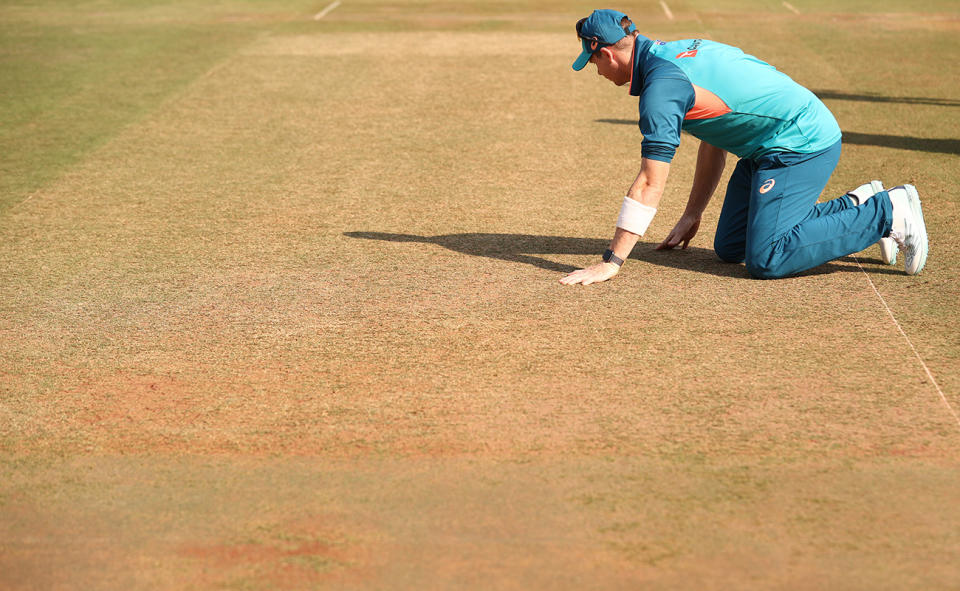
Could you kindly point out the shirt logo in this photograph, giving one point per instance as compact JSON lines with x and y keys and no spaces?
{"x":691,"y":51}
{"x":766,"y":186}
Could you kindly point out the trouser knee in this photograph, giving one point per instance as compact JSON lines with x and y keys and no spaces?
{"x":728,"y":253}
{"x":765,"y":270}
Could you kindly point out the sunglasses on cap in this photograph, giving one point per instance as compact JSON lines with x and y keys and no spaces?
{"x":590,"y":41}
{"x":603,"y":28}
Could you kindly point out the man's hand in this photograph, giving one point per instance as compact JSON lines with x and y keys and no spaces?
{"x":683,"y":232}
{"x":593,"y":274}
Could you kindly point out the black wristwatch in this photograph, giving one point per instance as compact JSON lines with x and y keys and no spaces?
{"x":609,"y":257}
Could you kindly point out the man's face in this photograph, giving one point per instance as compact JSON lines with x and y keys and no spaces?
{"x":608,"y":67}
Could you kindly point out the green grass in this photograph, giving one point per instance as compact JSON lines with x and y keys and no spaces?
{"x":75,"y":74}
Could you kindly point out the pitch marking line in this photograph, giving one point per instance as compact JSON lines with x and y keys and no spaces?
{"x":909,"y":342}
{"x":791,"y":8}
{"x":666,"y":10}
{"x":326,"y":10}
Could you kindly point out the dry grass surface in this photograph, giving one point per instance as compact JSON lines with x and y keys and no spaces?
{"x":296,"y":323}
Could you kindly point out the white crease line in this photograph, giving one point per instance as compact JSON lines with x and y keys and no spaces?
{"x":666,"y":9}
{"x":909,"y":342}
{"x":326,"y":10}
{"x":791,"y":8}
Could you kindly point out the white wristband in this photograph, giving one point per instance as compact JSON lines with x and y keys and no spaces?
{"x":635,"y":217}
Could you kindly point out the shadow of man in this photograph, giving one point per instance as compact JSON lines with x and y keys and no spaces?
{"x":529,"y":249}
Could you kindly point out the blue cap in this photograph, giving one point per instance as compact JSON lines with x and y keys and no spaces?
{"x":601,"y":29}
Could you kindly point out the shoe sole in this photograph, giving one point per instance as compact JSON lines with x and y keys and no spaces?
{"x":920,"y":227}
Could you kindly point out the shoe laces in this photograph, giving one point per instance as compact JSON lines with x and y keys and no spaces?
{"x":900,"y":239}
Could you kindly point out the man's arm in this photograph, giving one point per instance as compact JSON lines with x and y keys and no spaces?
{"x":710,"y":163}
{"x":646,"y":189}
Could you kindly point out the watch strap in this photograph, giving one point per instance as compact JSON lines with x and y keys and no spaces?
{"x":609,"y":257}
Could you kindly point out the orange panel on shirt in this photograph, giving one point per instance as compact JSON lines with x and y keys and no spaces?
{"x":706,"y":105}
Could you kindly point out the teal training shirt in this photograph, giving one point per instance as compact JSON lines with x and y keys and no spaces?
{"x":726,"y":98}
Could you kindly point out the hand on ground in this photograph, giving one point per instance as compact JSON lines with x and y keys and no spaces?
{"x":593,"y":274}
{"x":683,"y":232}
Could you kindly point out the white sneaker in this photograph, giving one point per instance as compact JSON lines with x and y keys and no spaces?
{"x":909,"y":231}
{"x":888,"y":247}
{"x":866,"y":191}
{"x":888,"y":250}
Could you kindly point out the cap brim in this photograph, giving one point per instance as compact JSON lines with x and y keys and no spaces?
{"x":582,"y":60}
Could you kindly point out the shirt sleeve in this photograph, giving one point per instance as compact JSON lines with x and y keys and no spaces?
{"x":666,"y":97}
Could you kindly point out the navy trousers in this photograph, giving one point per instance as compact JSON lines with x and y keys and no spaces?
{"x":771,"y":220}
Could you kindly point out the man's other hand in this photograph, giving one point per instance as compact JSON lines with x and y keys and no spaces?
{"x":683,"y":232}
